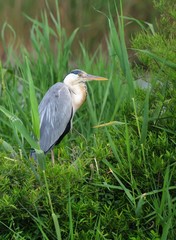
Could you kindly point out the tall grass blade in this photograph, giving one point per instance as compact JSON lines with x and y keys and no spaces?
{"x":91,"y":107}
{"x":144,"y":129}
{"x":57,"y":227}
{"x":126,"y":190}
{"x":17,"y":126}
{"x":18,"y":108}
{"x":166,"y":229}
{"x":142,"y":24}
{"x":140,"y":204}
{"x":119,"y":48}
{"x":113,"y":146}
{"x":105,"y":99}
{"x":40,"y":224}
{"x":33,"y":102}
{"x":111,"y":123}
{"x":54,"y":217}
{"x":70,"y":217}
{"x":136,"y":117}
{"x":43,"y":25}
{"x":9,"y":49}
{"x":17,"y":123}
{"x":166,"y":201}
{"x":97,"y":235}
{"x":157,"y":58}
{"x":7,"y":147}
{"x":15,"y":235}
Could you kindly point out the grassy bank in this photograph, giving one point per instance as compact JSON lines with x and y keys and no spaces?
{"x":114,"y":176}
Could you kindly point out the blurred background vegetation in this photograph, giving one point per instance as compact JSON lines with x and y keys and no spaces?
{"x":85,"y":15}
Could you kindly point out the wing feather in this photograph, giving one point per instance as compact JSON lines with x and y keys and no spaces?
{"x":55,"y":112}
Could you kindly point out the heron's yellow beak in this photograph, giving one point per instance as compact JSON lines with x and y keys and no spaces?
{"x":89,"y":77}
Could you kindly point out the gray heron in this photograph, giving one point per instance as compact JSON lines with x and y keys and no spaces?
{"x":59,"y":105}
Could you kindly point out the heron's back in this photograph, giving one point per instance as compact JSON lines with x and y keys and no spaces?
{"x":55,"y":112}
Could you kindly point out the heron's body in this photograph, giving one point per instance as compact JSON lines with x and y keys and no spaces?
{"x":59,"y":105}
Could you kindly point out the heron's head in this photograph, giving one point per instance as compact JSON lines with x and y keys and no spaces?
{"x":78,"y":76}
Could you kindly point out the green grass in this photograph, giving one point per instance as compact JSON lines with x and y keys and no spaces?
{"x":114,"y":181}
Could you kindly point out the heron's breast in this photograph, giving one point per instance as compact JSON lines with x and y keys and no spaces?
{"x":78,"y":97}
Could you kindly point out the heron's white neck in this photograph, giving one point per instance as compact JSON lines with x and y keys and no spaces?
{"x":78,"y":95}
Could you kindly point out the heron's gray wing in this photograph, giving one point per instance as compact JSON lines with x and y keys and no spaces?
{"x":55,"y":112}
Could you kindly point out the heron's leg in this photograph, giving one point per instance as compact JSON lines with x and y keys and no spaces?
{"x":52,"y":157}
